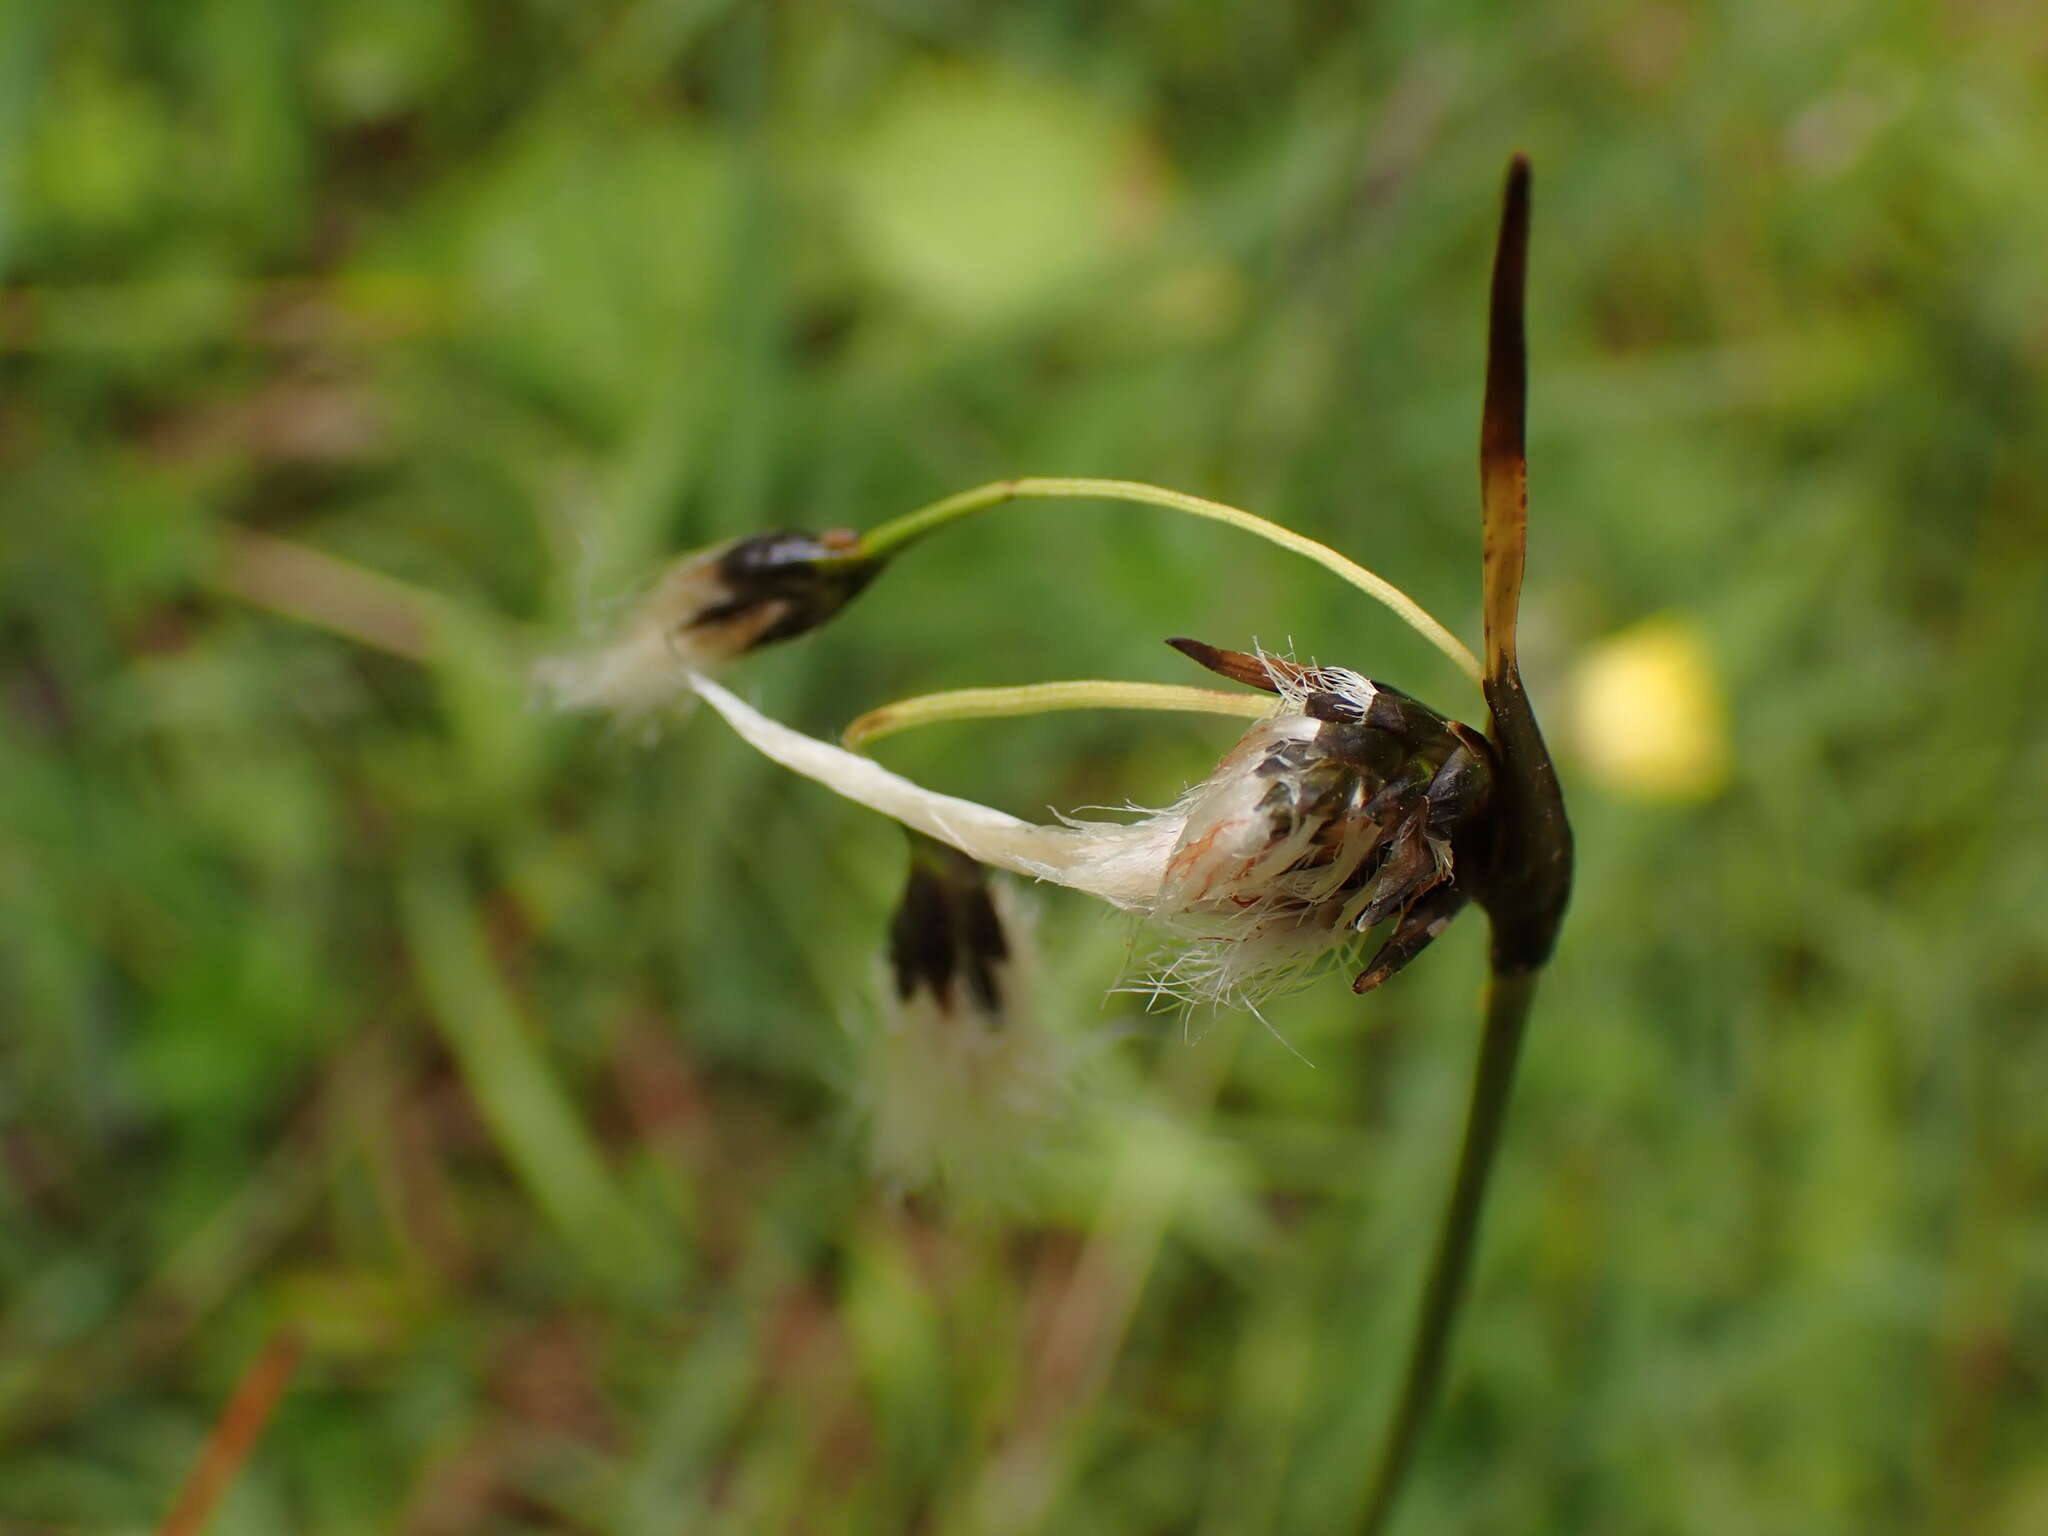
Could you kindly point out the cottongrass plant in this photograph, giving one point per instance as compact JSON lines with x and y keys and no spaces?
{"x":1345,"y":807}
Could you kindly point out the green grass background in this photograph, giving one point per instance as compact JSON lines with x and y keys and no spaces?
{"x":512,"y":1060}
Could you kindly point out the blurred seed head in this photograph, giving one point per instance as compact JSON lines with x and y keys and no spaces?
{"x":965,"y":1084}
{"x":705,"y":610}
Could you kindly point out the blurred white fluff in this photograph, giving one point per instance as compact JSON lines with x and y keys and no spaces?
{"x":645,"y":661}
{"x":964,"y":1089}
{"x":706,"y":609}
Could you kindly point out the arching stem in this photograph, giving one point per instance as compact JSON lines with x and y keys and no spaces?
{"x":895,"y":535}
{"x":1046,"y":698}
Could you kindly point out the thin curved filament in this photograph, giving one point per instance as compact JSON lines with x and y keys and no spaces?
{"x":1046,"y":698}
{"x":912,"y":526}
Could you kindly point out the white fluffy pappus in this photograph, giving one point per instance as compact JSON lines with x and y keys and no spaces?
{"x":1256,"y":875}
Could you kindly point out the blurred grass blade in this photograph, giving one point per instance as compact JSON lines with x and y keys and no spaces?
{"x":521,"y":1100}
{"x":316,"y":588}
{"x":241,"y":1425}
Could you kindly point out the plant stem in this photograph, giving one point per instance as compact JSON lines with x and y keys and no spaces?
{"x":235,"y":1433}
{"x":1508,"y":996}
{"x":898,"y":533}
{"x":1045,"y":698}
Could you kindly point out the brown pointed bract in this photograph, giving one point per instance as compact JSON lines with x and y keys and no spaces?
{"x":1266,"y":672}
{"x":1527,"y":878}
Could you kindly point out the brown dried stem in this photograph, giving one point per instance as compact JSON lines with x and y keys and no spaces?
{"x":235,"y":1434}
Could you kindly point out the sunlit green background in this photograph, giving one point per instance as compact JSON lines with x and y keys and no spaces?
{"x":515,"y":1061}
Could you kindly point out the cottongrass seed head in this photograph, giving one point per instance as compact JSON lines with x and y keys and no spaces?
{"x":965,"y":1087}
{"x":708,"y":608}
{"x":1344,"y":807}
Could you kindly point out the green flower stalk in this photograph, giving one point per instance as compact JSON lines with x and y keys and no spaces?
{"x":1522,"y":878}
{"x":714,"y":605}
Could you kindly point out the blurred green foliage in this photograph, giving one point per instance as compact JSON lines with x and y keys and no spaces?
{"x":511,"y":1060}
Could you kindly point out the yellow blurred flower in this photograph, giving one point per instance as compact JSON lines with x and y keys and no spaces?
{"x":1649,"y":714}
